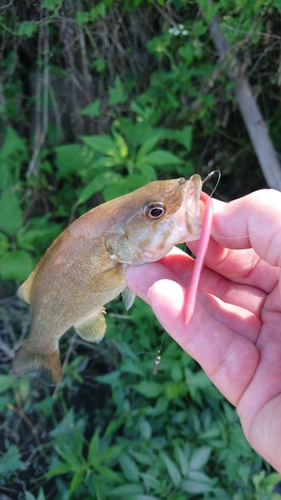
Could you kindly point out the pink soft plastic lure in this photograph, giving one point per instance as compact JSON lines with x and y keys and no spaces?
{"x":199,"y":261}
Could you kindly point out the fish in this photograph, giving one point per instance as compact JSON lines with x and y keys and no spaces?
{"x":84,"y":268}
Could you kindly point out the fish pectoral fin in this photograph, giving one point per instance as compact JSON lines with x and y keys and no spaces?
{"x":28,"y":362}
{"x":24,"y":290}
{"x":92,"y":328}
{"x":128,"y":298}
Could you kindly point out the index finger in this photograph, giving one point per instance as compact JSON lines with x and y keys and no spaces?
{"x":245,"y":243}
{"x":253,"y":221}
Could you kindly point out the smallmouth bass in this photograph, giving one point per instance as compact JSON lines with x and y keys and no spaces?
{"x":85,"y":266}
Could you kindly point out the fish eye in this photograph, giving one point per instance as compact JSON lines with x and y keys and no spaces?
{"x":154,"y":210}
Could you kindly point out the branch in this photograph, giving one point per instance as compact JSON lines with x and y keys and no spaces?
{"x":250,"y":111}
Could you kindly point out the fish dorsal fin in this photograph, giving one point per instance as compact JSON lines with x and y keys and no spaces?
{"x":128,"y":298}
{"x":24,"y":290}
{"x":92,"y":328}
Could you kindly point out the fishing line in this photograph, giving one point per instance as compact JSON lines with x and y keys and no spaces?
{"x":255,"y":233}
{"x":158,"y":357}
{"x":211,"y":175}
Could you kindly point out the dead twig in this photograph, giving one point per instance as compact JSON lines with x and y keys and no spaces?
{"x":249,"y":110}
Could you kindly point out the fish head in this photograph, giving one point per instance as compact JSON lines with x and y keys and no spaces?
{"x":155,"y":218}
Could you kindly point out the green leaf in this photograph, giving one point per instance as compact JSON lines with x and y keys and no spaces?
{"x":108,"y":474}
{"x":11,"y":214}
{"x":16,"y":264}
{"x":147,"y":170}
{"x":272,"y":479}
{"x":31,"y":239}
{"x":182,"y":460}
{"x":194,"y":487}
{"x":149,"y":389}
{"x":4,"y":243}
{"x":130,"y":366}
{"x":200,"y":457}
{"x":174,"y":389}
{"x":100,"y":143}
{"x":110,"y":453}
{"x":176,"y":372}
{"x":29,"y":496}
{"x":82,"y":18}
{"x":121,"y":145}
{"x":198,"y":483}
{"x":7,"y":382}
{"x":93,"y":446}
{"x":145,"y":496}
{"x":98,"y":10}
{"x":199,"y":28}
{"x":99,"y":65}
{"x":117,"y":94}
{"x":160,"y":157}
{"x":51,"y":4}
{"x":126,"y":490}
{"x":65,"y":450}
{"x":41,"y":495}
{"x":187,"y":53}
{"x":209,"y":9}
{"x":123,"y":186}
{"x":27,"y":29}
{"x":109,"y":378}
{"x":172,"y":469}
{"x":97,"y":184}
{"x":10,"y":461}
{"x":6,"y":174}
{"x":76,"y":480}
{"x":45,"y":405}
{"x":129,"y":467}
{"x":106,"y":161}
{"x":58,"y":469}
{"x":113,"y":426}
{"x":142,"y":458}
{"x":147,"y":146}
{"x":11,"y":143}
{"x":92,"y":109}
{"x":145,"y":429}
{"x":150,"y":481}
{"x":71,"y":159}
{"x":65,"y":426}
{"x":277,"y":4}
{"x":184,"y":137}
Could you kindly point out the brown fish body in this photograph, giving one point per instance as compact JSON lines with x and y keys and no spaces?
{"x":85,"y":266}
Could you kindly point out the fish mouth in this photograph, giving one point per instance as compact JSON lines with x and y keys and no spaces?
{"x":194,"y":207}
{"x":187,"y":221}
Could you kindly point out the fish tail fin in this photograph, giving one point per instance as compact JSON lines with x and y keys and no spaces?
{"x":29,"y":362}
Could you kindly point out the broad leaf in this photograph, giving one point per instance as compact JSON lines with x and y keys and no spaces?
{"x":172,"y":469}
{"x":92,"y":109}
{"x":100,"y":143}
{"x":160,"y":157}
{"x":97,"y":184}
{"x":149,"y":389}
{"x":11,"y":214}
{"x":10,"y":461}
{"x":16,"y":264}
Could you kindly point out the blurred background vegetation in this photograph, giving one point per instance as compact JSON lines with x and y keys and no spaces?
{"x":98,"y":98}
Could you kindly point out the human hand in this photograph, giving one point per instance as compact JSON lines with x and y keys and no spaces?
{"x":235,"y":332}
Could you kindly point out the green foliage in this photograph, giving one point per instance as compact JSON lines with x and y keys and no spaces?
{"x":97,"y":100}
